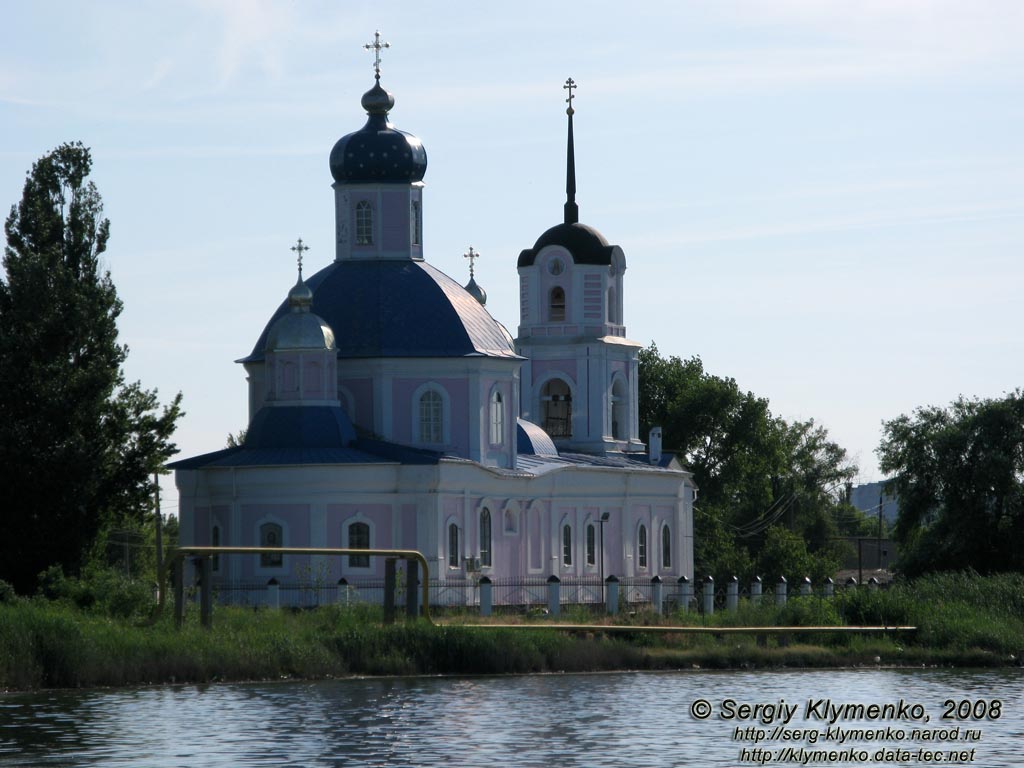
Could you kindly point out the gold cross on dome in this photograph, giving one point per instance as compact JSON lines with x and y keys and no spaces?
{"x":569,"y":85}
{"x":472,"y":256}
{"x":376,"y":47}
{"x":300,"y":248}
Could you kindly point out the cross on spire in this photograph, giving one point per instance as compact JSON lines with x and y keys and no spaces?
{"x":472,"y":256}
{"x":569,"y":85}
{"x":299,"y":248}
{"x":376,"y":47}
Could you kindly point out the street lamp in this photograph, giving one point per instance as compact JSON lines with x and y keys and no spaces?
{"x":601,"y":522}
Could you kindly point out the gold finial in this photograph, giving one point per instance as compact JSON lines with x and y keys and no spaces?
{"x":376,"y":47}
{"x":299,"y":248}
{"x":569,"y":85}
{"x":472,"y":256}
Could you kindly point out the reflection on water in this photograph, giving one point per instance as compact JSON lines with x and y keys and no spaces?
{"x":638,"y":719}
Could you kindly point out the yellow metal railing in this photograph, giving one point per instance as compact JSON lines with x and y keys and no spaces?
{"x":176,"y":557}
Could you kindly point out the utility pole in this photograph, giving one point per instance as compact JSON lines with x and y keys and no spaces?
{"x":880,"y":499}
{"x":159,"y":528}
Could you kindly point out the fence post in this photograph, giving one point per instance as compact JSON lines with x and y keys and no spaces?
{"x":872,"y":583}
{"x":830,"y":587}
{"x":851,"y":582}
{"x":412,"y":589}
{"x":554,"y":593}
{"x":389,"y":590}
{"x":732,"y":595}
{"x":685,"y":593}
{"x":709,"y":595}
{"x":178,"y":574}
{"x":342,"y":591}
{"x":755,"y":591}
{"x":206,"y":592}
{"x":486,"y":598}
{"x":656,"y":595}
{"x":780,"y":591}
{"x":612,"y":592}
{"x":273,"y":594}
{"x":805,"y":586}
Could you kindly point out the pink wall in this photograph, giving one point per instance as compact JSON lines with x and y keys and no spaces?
{"x":362,"y":394}
{"x":395,"y":219}
{"x":458,"y":397}
{"x":541,"y":368}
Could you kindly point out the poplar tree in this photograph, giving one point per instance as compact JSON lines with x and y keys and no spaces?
{"x":78,"y":445}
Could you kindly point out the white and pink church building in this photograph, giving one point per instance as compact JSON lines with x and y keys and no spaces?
{"x":389,"y":409}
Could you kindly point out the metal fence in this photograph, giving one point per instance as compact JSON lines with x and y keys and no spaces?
{"x":538,"y":595}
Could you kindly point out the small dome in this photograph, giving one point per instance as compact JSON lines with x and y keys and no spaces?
{"x":585,"y":244}
{"x":531,"y":440}
{"x":476,"y":291}
{"x":378,"y":152}
{"x":299,"y":328}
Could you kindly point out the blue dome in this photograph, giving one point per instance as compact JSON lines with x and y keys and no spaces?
{"x":378,"y":152}
{"x":398,"y":308}
{"x":532,"y":440}
{"x":585,"y":244}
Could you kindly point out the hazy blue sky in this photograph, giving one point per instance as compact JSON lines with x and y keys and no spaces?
{"x":824,"y":200}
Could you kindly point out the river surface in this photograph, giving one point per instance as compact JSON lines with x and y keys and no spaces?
{"x":547,"y":721}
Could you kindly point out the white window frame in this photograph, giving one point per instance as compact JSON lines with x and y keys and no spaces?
{"x":497,"y":418}
{"x":364,"y":223}
{"x":417,"y":420}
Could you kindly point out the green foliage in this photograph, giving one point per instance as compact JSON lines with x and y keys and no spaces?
{"x":959,"y":476}
{"x":102,"y":591}
{"x":786,"y":554}
{"x":78,"y":445}
{"x":755,"y":471}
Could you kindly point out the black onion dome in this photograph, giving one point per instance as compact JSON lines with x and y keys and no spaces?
{"x":378,"y":152}
{"x":585,"y":244}
{"x":398,"y":308}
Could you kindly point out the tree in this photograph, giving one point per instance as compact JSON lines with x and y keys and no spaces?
{"x":959,"y":475}
{"x":754,"y":470}
{"x":78,"y":446}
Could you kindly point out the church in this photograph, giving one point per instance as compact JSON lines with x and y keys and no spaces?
{"x":389,"y":409}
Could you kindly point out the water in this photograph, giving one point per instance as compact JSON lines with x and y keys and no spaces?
{"x":549,"y":721}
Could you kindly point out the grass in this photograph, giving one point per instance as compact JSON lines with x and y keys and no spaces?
{"x":963,"y":620}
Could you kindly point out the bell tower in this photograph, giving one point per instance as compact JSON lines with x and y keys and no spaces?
{"x":580,"y":380}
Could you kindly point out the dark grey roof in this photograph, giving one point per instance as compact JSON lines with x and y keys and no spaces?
{"x":586,"y":245}
{"x":529,"y":462}
{"x":399,"y":308}
{"x":531,"y":439}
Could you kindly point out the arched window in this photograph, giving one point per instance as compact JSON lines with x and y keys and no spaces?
{"x":666,"y":546}
{"x":453,"y":545}
{"x":556,"y":408}
{"x":566,"y":545}
{"x":415,"y":224}
{"x":359,"y":538}
{"x":497,"y":419}
{"x":620,"y":411}
{"x":556,"y":304}
{"x":591,"y":548}
{"x":431,"y":417}
{"x":271,"y":535}
{"x":485,"y":538}
{"x":641,"y":547}
{"x":613,"y":315}
{"x":215,"y":542}
{"x":364,"y":223}
{"x":511,"y":521}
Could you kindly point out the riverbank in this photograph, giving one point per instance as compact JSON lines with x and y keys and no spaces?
{"x":962,"y":620}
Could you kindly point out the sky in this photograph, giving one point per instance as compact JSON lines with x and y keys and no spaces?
{"x":823,"y":200}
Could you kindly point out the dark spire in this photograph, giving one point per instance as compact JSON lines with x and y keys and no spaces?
{"x":572,"y":211}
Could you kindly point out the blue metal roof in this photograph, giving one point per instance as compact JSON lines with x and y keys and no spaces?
{"x":399,"y":308}
{"x":532,"y":440}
